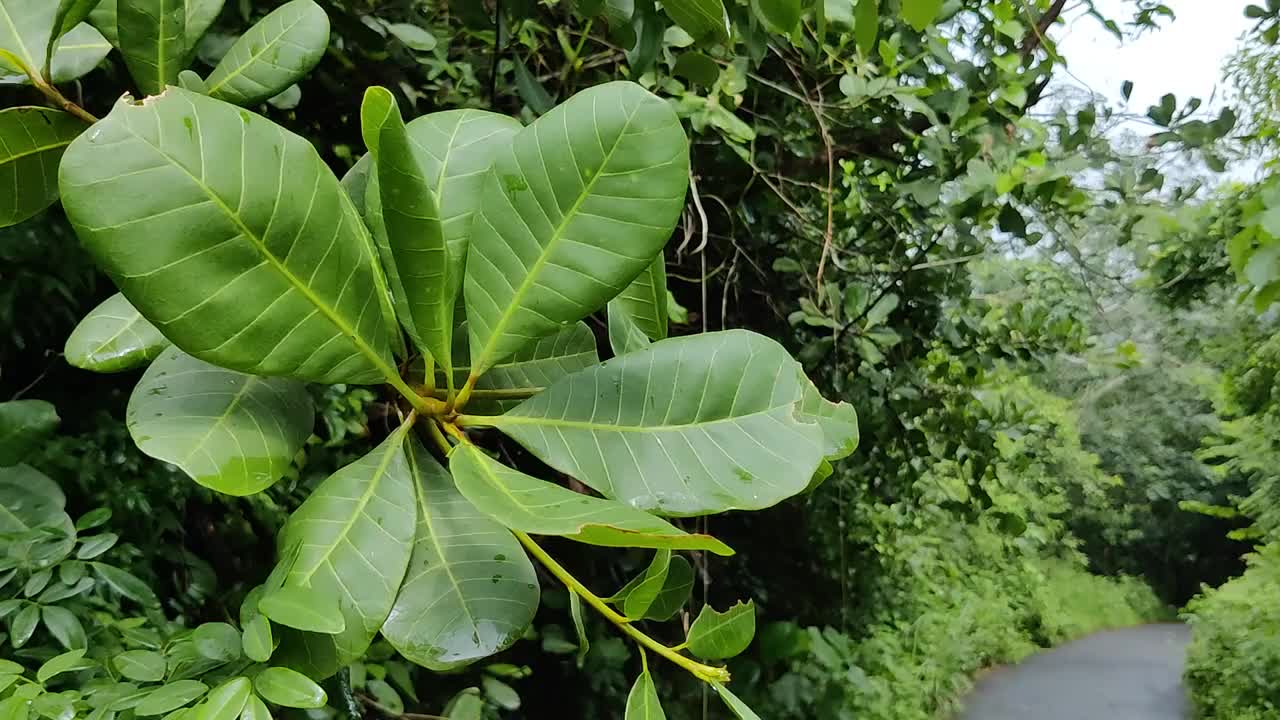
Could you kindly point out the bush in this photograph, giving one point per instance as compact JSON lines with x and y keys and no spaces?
{"x":1233,"y":664}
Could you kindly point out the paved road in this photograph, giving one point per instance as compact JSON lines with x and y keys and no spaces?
{"x":1131,"y":674}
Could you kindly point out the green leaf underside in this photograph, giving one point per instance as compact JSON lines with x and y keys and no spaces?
{"x":254,"y":258}
{"x":275,"y":53}
{"x":470,"y":590}
{"x":26,"y":29}
{"x":731,"y":701}
{"x":413,"y":231}
{"x":114,"y":337}
{"x":645,"y":300}
{"x":643,"y":702}
{"x":722,"y":635}
{"x":625,"y":336}
{"x":640,"y":598}
{"x":527,"y":504}
{"x":75,"y":54}
{"x":24,"y":424}
{"x":32,"y":141}
{"x":537,"y":365}
{"x":200,"y":16}
{"x":704,"y":20}
{"x":555,"y":240}
{"x":152,"y":36}
{"x":28,"y":500}
{"x":231,"y":432}
{"x":353,"y":537}
{"x":689,"y":426}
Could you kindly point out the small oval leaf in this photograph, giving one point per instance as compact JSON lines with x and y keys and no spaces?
{"x":289,"y":688}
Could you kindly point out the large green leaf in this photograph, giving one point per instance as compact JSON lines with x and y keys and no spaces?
{"x":689,"y":426}
{"x":536,"y":506}
{"x":353,"y":537}
{"x":77,"y":53}
{"x":231,"y":432}
{"x":153,"y":40}
{"x":704,"y":20}
{"x":24,"y":424}
{"x":30,"y":500}
{"x":470,"y":590}
{"x":32,"y":141}
{"x":645,"y":300}
{"x":412,"y":222}
{"x":254,"y":257}
{"x":114,"y":337}
{"x":642,"y":701}
{"x":555,"y":241}
{"x":275,"y":53}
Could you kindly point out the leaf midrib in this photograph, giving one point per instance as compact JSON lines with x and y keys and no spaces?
{"x":253,"y":57}
{"x":517,"y":298}
{"x":421,"y":495}
{"x":9,"y":159}
{"x":329,"y":313}
{"x":500,"y":420}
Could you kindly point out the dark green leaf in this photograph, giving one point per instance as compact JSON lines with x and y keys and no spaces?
{"x":470,"y":590}
{"x":920,"y":14}
{"x":94,"y":545}
{"x":675,"y":591}
{"x":32,"y":141}
{"x":217,"y":641}
{"x":575,"y":610}
{"x":866,"y":26}
{"x":229,"y":431}
{"x":280,"y":285}
{"x":697,"y":67}
{"x":23,"y":624}
{"x":719,"y":636}
{"x":275,"y":53}
{"x":126,"y":584}
{"x":170,"y":697}
{"x":738,"y":707}
{"x":289,"y":688}
{"x":24,"y":424}
{"x":141,"y":665}
{"x":704,"y":20}
{"x":64,"y":626}
{"x":531,"y":89}
{"x":153,"y":41}
{"x":782,"y":16}
{"x":640,"y":599}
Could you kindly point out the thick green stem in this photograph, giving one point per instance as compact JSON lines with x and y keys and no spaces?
{"x":504,"y":394}
{"x":463,"y":397}
{"x":706,"y":673}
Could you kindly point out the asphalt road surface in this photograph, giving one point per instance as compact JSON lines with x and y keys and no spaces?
{"x":1130,"y":674}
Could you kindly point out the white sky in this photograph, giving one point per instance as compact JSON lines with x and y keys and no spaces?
{"x":1184,"y":56}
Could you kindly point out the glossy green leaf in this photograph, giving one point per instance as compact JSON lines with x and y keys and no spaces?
{"x":920,"y":13}
{"x":77,"y":53}
{"x":255,"y":709}
{"x":353,"y":536}
{"x":22,"y":624}
{"x":257,"y":641}
{"x":289,"y":688}
{"x":69,"y":661}
{"x":412,"y":222}
{"x":470,"y":590}
{"x":779,"y":16}
{"x":257,"y":262}
{"x":170,"y":697}
{"x":500,"y":693}
{"x":24,"y":424}
{"x":275,"y":53}
{"x":675,"y":591}
{"x":689,"y":426}
{"x":93,"y":546}
{"x":553,"y":243}
{"x":704,"y":20}
{"x":125,"y":583}
{"x":731,"y":701}
{"x":722,"y":635}
{"x":625,"y":336}
{"x":231,"y":432}
{"x":141,"y":665}
{"x":866,"y":26}
{"x":29,"y":500}
{"x":642,"y":701}
{"x":638,"y":601}
{"x":217,"y":641}
{"x":225,"y":701}
{"x":301,"y":609}
{"x":32,"y":141}
{"x":64,"y":626}
{"x":536,"y":506}
{"x":152,"y":37}
{"x":114,"y":337}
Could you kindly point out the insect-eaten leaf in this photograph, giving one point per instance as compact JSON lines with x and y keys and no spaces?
{"x":722,"y":635}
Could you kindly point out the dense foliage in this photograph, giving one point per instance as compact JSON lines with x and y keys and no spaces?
{"x":315,"y":386}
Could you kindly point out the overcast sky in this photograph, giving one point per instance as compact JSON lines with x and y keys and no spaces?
{"x":1184,"y":56}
